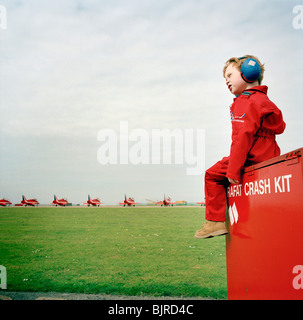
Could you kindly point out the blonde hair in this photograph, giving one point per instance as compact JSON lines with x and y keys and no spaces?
{"x":238,"y":62}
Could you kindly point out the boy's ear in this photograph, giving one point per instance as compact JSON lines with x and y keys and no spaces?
{"x":250,"y":70}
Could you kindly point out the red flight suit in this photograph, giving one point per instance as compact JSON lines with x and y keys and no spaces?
{"x":255,"y":122}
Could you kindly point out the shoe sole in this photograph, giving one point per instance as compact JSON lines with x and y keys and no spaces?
{"x":212,"y":234}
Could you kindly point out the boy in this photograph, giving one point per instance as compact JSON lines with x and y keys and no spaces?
{"x":255,"y":122}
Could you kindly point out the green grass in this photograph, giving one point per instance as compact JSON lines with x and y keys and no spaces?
{"x":128,"y":251}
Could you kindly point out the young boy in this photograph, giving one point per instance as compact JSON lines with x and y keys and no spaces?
{"x":255,"y":122}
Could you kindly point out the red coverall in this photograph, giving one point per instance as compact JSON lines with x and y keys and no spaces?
{"x":255,"y":122}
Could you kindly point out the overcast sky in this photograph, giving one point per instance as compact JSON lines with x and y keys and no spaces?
{"x":72,"y":68}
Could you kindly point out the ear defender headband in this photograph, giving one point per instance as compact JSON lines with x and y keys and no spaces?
{"x":250,"y":70}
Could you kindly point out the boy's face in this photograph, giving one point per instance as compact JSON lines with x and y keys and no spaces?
{"x":236,"y":85}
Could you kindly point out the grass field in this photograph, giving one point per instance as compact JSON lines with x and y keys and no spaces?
{"x":127,"y":251}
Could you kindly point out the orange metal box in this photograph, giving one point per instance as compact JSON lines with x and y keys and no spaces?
{"x":264,"y":247}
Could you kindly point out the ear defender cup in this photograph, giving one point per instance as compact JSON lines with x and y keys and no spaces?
{"x":250,"y":70}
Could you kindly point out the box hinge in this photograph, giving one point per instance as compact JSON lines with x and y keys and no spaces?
{"x":293,"y":157}
{"x":250,"y":170}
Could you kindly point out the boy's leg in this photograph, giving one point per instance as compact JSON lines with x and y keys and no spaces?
{"x":215,"y":198}
{"x":215,"y":191}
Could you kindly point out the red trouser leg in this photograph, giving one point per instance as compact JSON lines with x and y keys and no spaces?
{"x":215,"y":191}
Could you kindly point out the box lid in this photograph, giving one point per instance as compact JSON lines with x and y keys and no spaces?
{"x":285,"y":157}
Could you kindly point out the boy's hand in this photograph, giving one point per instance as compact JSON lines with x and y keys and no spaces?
{"x":233,"y":181}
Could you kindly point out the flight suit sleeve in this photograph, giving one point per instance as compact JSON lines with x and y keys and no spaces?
{"x":246,"y":120}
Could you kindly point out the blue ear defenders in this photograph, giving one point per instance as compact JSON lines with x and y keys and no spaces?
{"x":250,"y":70}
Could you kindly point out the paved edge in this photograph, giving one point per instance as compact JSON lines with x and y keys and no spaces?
{"x":15,"y":295}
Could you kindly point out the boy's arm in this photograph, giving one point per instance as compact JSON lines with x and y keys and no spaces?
{"x":245,"y":123}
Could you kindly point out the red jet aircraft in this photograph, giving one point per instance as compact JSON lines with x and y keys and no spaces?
{"x":60,"y":202}
{"x":29,"y":202}
{"x":166,"y":202}
{"x":5,"y":203}
{"x":128,"y":202}
{"x":93,"y":202}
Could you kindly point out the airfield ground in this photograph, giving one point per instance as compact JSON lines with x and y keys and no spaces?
{"x":127,"y":252}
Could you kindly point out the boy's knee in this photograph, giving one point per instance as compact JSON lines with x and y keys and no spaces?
{"x":217,"y":171}
{"x":208,"y":174}
{"x":211,"y":175}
